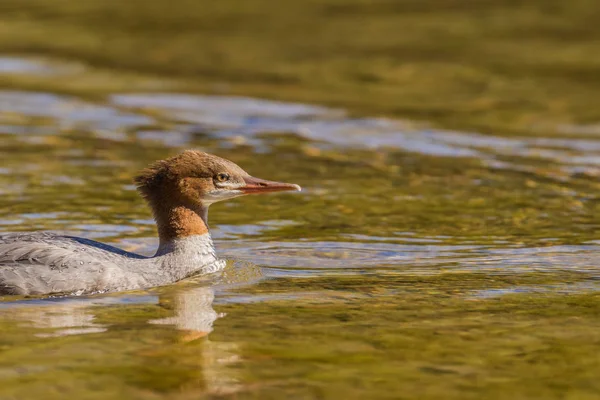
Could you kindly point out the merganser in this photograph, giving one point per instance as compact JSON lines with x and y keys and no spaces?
{"x":179,"y":191}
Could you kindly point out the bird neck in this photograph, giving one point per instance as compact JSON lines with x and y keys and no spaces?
{"x":177,"y":220}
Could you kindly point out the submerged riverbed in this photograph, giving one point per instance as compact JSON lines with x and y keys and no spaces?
{"x":416,"y":263}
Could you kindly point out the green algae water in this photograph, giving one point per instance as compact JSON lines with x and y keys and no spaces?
{"x":421,"y":260}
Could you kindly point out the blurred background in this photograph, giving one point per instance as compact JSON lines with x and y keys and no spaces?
{"x":445,"y":243}
{"x":476,"y":64}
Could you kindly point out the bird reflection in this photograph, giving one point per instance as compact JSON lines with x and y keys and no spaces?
{"x":194,"y":317}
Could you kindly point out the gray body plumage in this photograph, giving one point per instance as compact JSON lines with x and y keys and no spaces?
{"x":44,"y":263}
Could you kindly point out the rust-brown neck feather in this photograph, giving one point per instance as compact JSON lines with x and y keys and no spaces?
{"x":179,"y":223}
{"x":176,"y":217}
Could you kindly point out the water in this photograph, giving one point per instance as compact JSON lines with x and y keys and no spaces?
{"x":416,"y":260}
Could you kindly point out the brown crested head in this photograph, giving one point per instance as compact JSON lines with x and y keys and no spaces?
{"x":195,"y":178}
{"x":180,"y":189}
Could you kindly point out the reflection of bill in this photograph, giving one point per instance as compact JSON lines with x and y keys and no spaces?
{"x":194,"y":318}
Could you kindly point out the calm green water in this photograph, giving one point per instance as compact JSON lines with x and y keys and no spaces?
{"x":416,"y":263}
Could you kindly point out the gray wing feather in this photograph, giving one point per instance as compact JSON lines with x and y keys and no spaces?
{"x":39,"y":263}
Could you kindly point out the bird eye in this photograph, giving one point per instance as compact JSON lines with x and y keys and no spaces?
{"x":222,"y":177}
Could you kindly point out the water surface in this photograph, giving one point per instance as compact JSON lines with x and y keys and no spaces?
{"x":417,"y":262}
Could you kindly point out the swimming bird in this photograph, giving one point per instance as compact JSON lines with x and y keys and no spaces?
{"x":179,"y":190}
